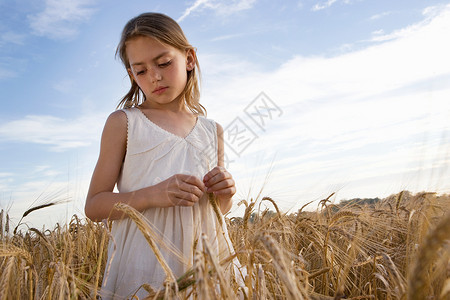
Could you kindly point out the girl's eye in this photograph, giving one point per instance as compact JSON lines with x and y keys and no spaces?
{"x":166,"y":64}
{"x":140,"y":72}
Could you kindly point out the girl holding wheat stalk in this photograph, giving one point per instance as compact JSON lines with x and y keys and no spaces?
{"x":157,"y":149}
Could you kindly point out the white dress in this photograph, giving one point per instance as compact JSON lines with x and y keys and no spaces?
{"x":153,"y":155}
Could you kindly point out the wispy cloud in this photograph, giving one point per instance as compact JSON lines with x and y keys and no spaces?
{"x":60,"y":18}
{"x":46,"y":171}
{"x":10,"y":37}
{"x":380,"y":15}
{"x":227,"y":37}
{"x":430,"y":14}
{"x":64,"y":86}
{"x":378,"y":32}
{"x":220,"y":7}
{"x":328,"y":4}
{"x":59,"y":134}
{"x":199,"y":4}
{"x":323,"y":5}
{"x":241,"y":34}
{"x":433,"y":11}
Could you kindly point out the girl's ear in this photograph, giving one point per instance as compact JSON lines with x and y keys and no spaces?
{"x":191,"y":58}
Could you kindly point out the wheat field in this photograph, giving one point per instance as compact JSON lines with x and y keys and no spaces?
{"x":394,"y":248}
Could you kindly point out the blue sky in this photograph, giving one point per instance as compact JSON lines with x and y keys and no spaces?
{"x":362,"y":91}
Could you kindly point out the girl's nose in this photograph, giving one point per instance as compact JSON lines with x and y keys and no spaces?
{"x":155,"y":75}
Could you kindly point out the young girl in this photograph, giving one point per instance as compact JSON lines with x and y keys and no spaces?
{"x":157,"y":149}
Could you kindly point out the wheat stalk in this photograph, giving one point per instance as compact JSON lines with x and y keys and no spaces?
{"x":427,"y":253}
{"x":283,"y":270}
{"x":213,"y":201}
{"x":1,"y":225}
{"x":147,"y":232}
{"x":225,"y":287}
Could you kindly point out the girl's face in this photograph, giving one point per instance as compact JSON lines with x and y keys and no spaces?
{"x":159,"y":70}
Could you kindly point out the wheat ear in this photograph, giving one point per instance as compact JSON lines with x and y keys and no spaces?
{"x":5,"y":278}
{"x":282,"y":267}
{"x":147,"y":231}
{"x":428,"y":250}
{"x":225,"y":287}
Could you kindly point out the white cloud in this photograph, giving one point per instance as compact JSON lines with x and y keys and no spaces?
{"x":328,"y":4}
{"x":431,"y":14}
{"x":363,"y":116}
{"x":60,"y":18}
{"x":378,"y":35}
{"x":380,"y":15}
{"x":196,"y":6}
{"x":378,"y":32}
{"x":433,"y":11}
{"x":59,"y":134}
{"x":218,"y":6}
{"x":324,"y":5}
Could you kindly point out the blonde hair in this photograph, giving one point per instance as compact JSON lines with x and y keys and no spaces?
{"x":167,"y":31}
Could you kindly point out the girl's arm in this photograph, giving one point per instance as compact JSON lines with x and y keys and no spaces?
{"x":179,"y":189}
{"x":219,"y":181}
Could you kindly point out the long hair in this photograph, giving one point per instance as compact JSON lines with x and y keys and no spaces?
{"x":167,"y":31}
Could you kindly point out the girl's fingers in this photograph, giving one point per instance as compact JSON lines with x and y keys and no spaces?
{"x":187,"y":189}
{"x":227,"y":183}
{"x":182,"y":202}
{"x":184,"y":197}
{"x":213,"y":178}
{"x":191,"y":189}
{"x":193,"y":180}
{"x":215,"y":171}
{"x":226,"y":192}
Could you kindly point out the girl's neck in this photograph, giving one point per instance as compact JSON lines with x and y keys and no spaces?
{"x":177,"y":106}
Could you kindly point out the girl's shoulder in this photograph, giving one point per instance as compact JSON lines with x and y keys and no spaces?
{"x":124,"y":111}
{"x":117,"y":118}
{"x":125,"y":115}
{"x":208,"y":122}
{"x":214,"y":127}
{"x":115,"y":131}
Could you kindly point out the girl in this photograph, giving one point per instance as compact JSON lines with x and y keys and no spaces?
{"x":157,"y":149}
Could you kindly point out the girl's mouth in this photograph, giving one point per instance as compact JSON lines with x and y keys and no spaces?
{"x":159,"y":90}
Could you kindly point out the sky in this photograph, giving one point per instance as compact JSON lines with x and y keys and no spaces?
{"x":350,"y":97}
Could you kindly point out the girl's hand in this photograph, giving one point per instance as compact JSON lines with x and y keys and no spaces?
{"x":181,"y":190}
{"x":220,"y":182}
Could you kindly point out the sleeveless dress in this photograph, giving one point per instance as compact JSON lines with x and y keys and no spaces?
{"x":153,"y":155}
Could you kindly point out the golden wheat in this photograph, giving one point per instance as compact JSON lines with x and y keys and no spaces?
{"x":352,"y":251}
